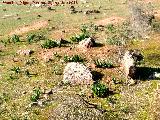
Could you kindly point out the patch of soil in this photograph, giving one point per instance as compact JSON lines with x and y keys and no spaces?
{"x":110,"y":20}
{"x":66,"y":33}
{"x":27,"y":28}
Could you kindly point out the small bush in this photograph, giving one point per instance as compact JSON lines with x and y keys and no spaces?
{"x":48,"y":44}
{"x":100,"y":90}
{"x":75,"y":58}
{"x":111,"y":28}
{"x":103,"y":64}
{"x":16,"y":70}
{"x":15,"y":38}
{"x":34,"y":38}
{"x":35,"y":95}
{"x":30,"y":38}
{"x":80,"y":37}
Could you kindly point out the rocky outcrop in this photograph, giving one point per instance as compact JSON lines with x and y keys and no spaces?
{"x":130,"y":60}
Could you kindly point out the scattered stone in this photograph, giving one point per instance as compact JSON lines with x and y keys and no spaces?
{"x":84,"y":1}
{"x":155,"y":75}
{"x":25,"y":52}
{"x":130,"y":60}
{"x":51,"y":28}
{"x":18,"y":18}
{"x":40,"y":103}
{"x":87,"y":43}
{"x":48,"y":91}
{"x":39,"y":16}
{"x":76,"y":73}
{"x":15,"y":59}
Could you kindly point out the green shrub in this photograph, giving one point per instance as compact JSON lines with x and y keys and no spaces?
{"x":16,"y":70}
{"x":100,"y":90}
{"x":15,"y":38}
{"x":110,"y":28}
{"x":114,"y":41}
{"x":103,"y":64}
{"x":30,"y":38}
{"x":75,"y":58}
{"x":35,"y":95}
{"x":48,"y":44}
{"x":80,"y":37}
{"x":34,"y":38}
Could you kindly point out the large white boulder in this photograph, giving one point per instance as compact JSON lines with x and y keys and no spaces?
{"x":76,"y":73}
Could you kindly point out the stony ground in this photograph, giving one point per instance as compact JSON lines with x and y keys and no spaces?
{"x":23,"y":73}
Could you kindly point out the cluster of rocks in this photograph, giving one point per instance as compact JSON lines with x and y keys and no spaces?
{"x":77,"y":73}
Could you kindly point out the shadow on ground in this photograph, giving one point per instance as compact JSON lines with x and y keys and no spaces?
{"x":146,"y":73}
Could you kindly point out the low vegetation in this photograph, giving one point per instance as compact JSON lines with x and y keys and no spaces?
{"x":103,"y":63}
{"x":32,"y":86}
{"x":100,"y":90}
{"x":35,"y":95}
{"x":48,"y":44}
{"x":15,"y":38}
{"x":74,"y":58}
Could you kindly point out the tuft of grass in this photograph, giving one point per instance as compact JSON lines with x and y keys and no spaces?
{"x":80,"y":37}
{"x":16,"y":70}
{"x":75,"y":58}
{"x":103,"y":64}
{"x":34,"y":38}
{"x":30,"y":38}
{"x":118,"y":35}
{"x":100,"y":90}
{"x":15,"y":38}
{"x":48,"y":44}
{"x":114,"y":41}
{"x":35,"y":95}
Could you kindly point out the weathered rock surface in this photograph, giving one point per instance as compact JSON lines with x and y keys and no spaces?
{"x":76,"y":73}
{"x":87,"y":43}
{"x":25,"y":52}
{"x":129,"y":62}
